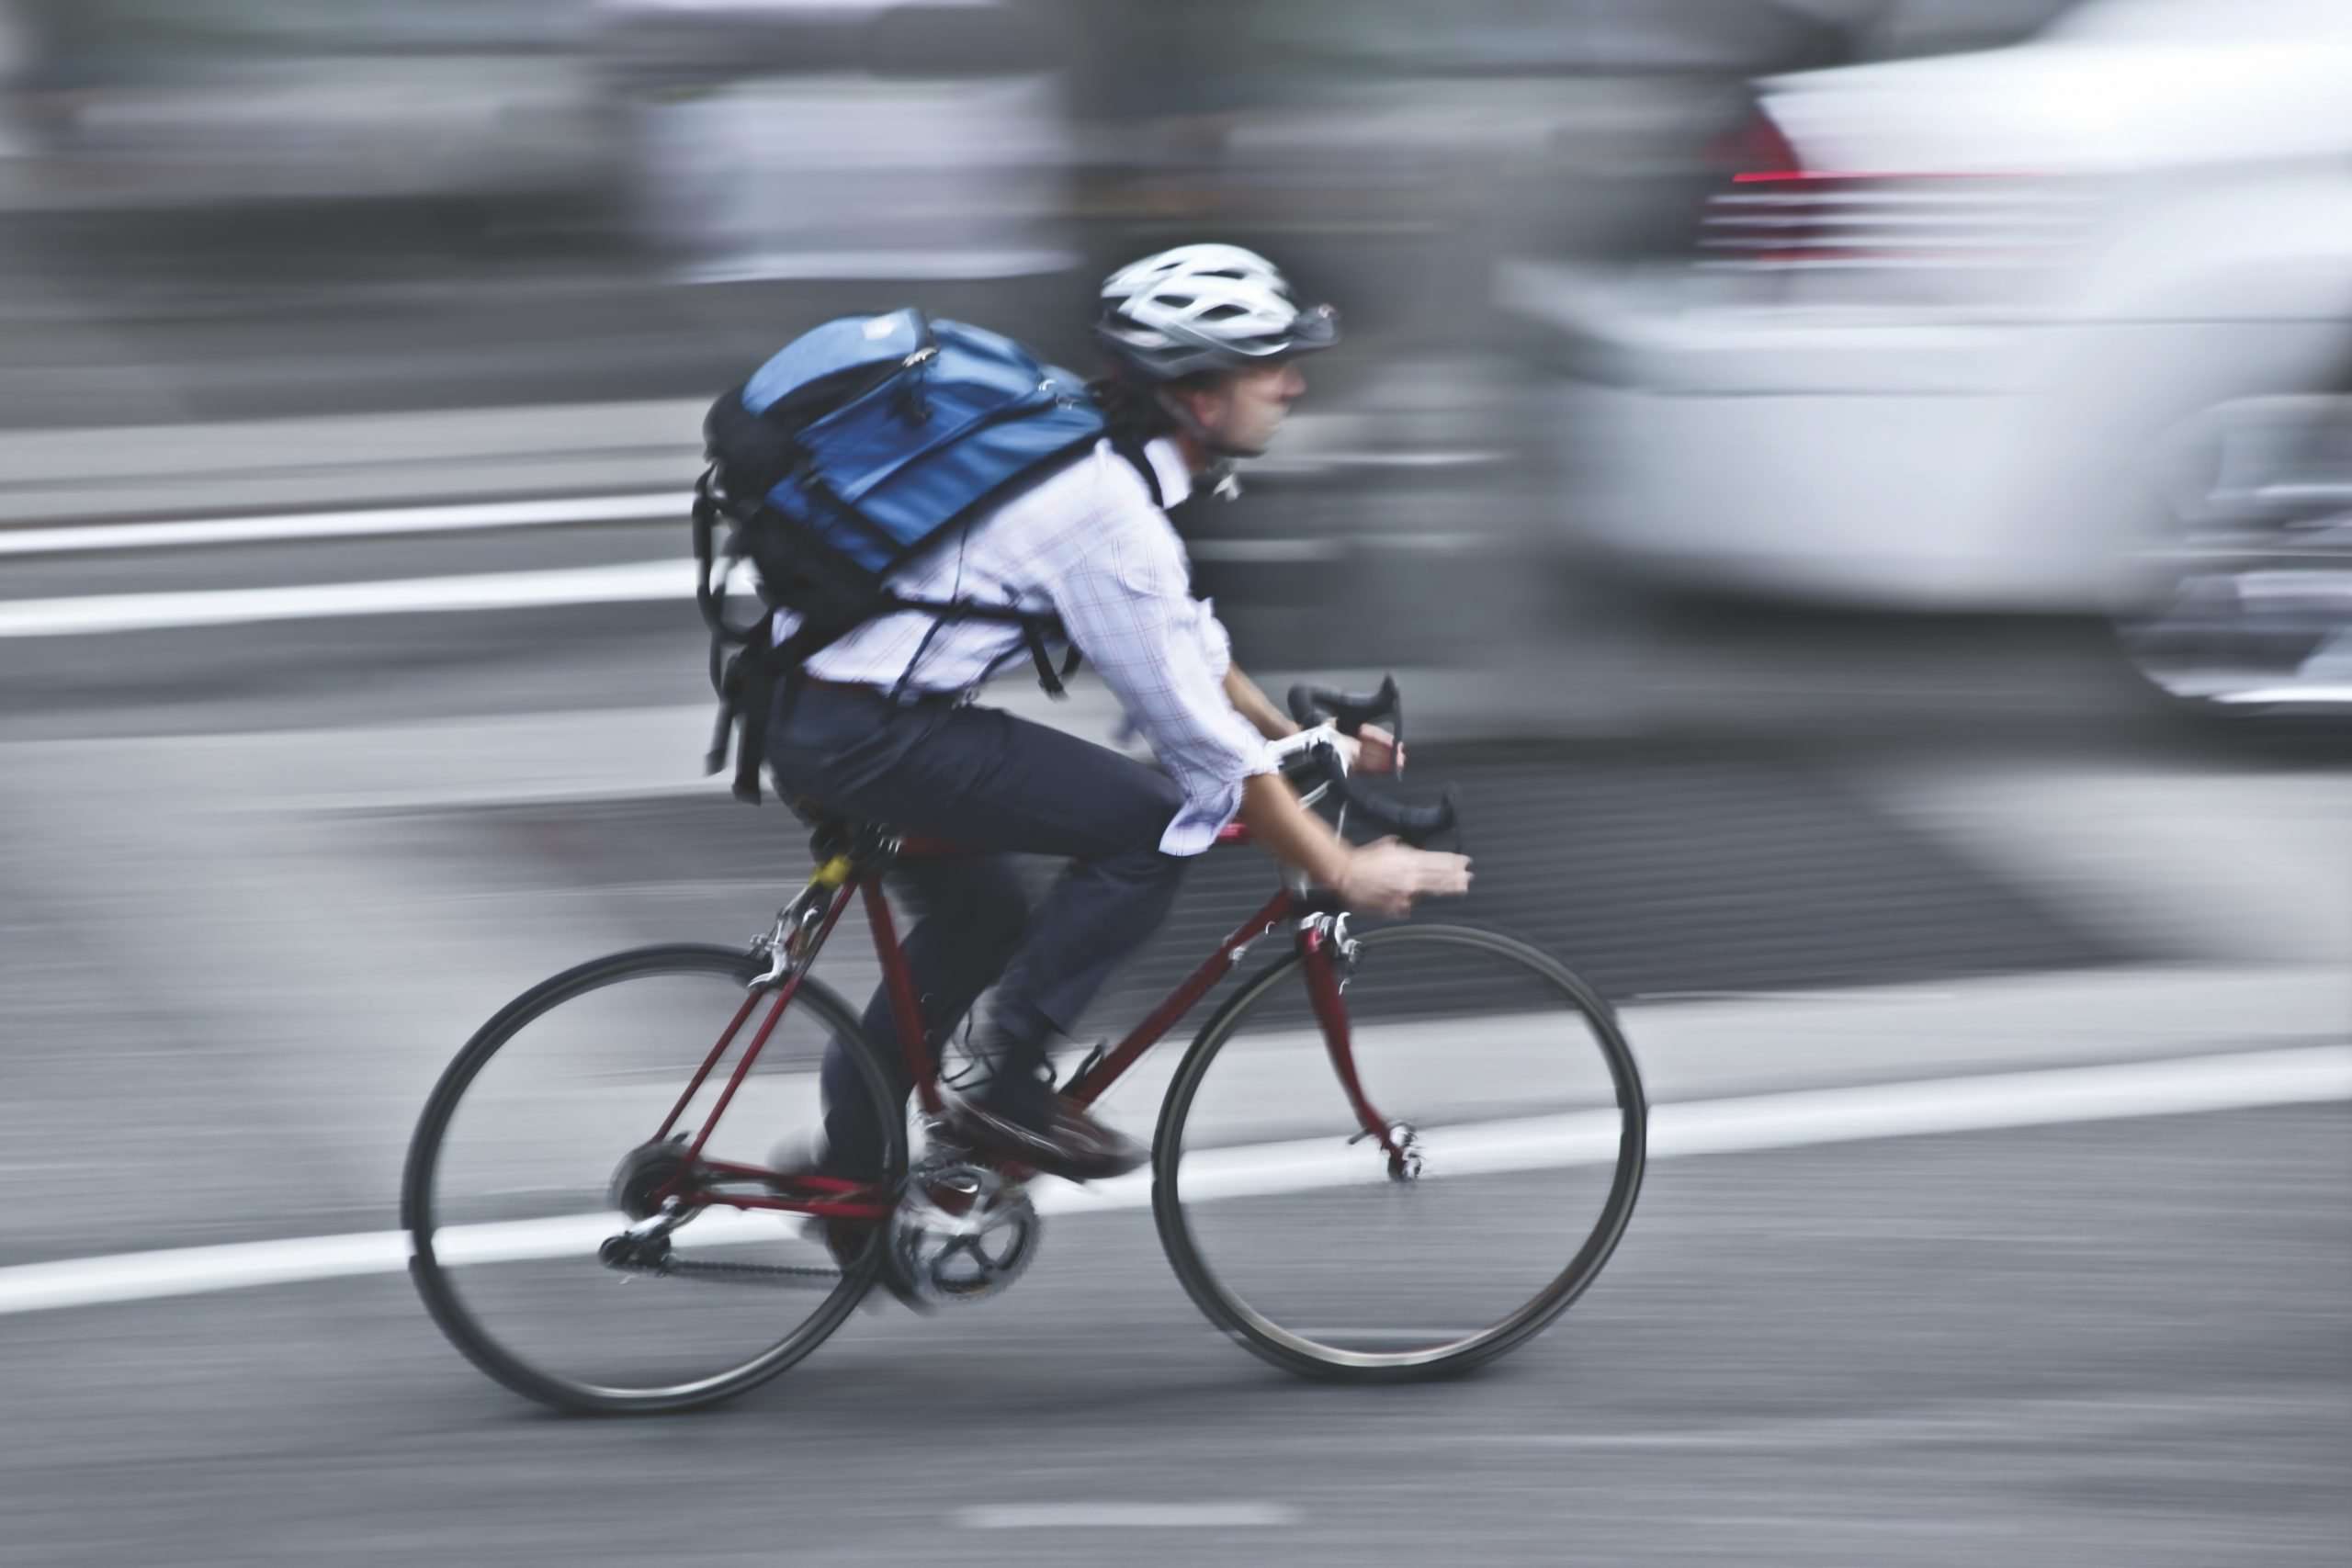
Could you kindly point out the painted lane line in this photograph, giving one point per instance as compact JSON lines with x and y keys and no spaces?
{"x":626,"y":583}
{"x":672,"y":578}
{"x":374,"y":523}
{"x":1125,"y":1516}
{"x":652,"y":506}
{"x":2040,"y":1098}
{"x":2318,"y":692}
{"x":141,"y":1275}
{"x":356,"y":522}
{"x":1855,"y":998}
{"x":1989,"y":1102}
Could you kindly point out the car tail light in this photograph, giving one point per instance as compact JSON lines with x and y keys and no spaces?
{"x":1772,"y":211}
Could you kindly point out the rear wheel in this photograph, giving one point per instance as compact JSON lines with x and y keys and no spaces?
{"x":535,"y":1192}
{"x":1519,"y":1109}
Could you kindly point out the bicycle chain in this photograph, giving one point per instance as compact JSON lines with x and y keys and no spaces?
{"x":744,"y":1273}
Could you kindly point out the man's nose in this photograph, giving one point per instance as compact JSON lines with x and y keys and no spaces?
{"x":1293,"y":384}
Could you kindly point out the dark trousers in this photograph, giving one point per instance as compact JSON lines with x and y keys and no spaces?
{"x":1000,"y":785}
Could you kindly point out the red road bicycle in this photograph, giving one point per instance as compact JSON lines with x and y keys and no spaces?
{"x":1398,"y":1151}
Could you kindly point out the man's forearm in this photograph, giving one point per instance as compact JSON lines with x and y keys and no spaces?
{"x":1286,"y":830}
{"x":1255,"y":706}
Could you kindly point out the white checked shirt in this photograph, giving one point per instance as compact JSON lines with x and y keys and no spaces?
{"x":1088,"y":545}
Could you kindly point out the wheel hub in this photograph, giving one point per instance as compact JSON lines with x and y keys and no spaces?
{"x":645,"y":1173}
{"x":1403,"y":1153}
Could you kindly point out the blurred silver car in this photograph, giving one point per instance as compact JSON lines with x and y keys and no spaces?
{"x":855,"y":138}
{"x":110,"y":104}
{"x":2065,"y":325}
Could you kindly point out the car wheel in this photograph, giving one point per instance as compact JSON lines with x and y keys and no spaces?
{"x":2239,"y":614}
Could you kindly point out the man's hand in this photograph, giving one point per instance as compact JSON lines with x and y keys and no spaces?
{"x":1373,"y":750}
{"x":1383,"y":878}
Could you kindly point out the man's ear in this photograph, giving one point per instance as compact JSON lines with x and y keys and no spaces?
{"x":1194,"y":403}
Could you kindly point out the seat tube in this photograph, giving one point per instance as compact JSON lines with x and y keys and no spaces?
{"x":905,"y":1006}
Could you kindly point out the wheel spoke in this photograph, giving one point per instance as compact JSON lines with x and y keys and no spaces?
{"x":533,"y":1190}
{"x":1509,"y":1167}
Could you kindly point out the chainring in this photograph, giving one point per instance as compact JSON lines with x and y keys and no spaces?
{"x":963,"y":1233}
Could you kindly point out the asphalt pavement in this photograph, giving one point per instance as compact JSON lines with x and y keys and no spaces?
{"x":2115,"y":1344}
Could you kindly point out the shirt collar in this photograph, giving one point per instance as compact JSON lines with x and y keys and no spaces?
{"x":1175,"y":474}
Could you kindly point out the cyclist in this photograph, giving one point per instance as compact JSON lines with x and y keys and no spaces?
{"x":1203,"y":342}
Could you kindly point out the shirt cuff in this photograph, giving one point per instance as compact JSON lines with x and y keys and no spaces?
{"x":1195,"y":828}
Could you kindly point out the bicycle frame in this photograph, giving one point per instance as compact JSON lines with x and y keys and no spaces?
{"x":1324,"y":952}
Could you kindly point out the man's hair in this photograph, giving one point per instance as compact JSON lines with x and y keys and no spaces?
{"x":1132,"y":405}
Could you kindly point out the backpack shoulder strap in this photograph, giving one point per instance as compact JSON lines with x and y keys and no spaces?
{"x":1131,"y":448}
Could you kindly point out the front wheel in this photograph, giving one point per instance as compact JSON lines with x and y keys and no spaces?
{"x":1506,"y":1083}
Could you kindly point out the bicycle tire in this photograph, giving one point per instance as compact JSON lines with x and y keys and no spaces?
{"x":445,"y":1303}
{"x":1304,"y":1356}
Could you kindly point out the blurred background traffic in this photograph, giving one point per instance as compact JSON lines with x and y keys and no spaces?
{"x":1973,"y":305}
{"x":1858,"y":494}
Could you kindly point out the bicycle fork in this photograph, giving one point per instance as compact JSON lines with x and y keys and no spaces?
{"x":1329,"y":955}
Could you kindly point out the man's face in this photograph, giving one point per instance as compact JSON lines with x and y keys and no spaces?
{"x":1243,"y":408}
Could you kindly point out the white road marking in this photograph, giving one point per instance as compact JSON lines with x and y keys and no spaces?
{"x":628,"y":582}
{"x":672,"y":578}
{"x":1860,"y":998}
{"x":653,"y":506}
{"x":1125,"y":1516}
{"x":372,"y":523}
{"x":140,"y":1276}
{"x":1980,"y":1103}
{"x":2317,"y":693}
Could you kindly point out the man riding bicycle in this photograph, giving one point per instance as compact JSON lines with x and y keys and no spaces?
{"x":1203,"y":341}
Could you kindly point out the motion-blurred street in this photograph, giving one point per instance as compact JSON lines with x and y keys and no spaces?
{"x":1992,"y":989}
{"x":264,"y":877}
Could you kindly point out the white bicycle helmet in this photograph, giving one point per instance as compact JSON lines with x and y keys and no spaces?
{"x":1206,"y":307}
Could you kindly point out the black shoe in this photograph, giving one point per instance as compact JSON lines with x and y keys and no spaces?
{"x":1070,"y":1144}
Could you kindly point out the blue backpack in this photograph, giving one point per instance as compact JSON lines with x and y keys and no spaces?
{"x":863,"y":443}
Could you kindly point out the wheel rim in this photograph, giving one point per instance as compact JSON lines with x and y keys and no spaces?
{"x":2246,"y":605}
{"x":1526,"y":1113}
{"x":510,"y":1191}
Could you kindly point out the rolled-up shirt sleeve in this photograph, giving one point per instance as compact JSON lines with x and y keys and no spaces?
{"x":1127,"y":603}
